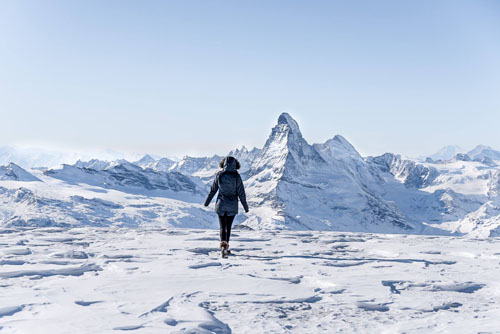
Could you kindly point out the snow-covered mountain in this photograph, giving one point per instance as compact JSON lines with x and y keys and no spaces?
{"x":480,"y":153}
{"x":290,"y":184}
{"x":161,"y":165}
{"x":301,"y":186}
{"x":145,"y":161}
{"x":122,"y":194}
{"x":200,"y":169}
{"x":13,"y":172}
{"x":29,"y":157}
{"x":483,"y":152}
{"x":94,"y":164}
{"x":447,"y":152}
{"x":123,"y":175}
{"x":245,"y":157}
{"x":409,"y":173}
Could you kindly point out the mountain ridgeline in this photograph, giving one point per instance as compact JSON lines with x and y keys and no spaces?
{"x":290,"y":184}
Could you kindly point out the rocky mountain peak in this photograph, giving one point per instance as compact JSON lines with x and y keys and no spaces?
{"x":286,"y":145}
{"x":340,"y":143}
{"x":286,"y":122}
{"x":145,"y":160}
{"x":11,"y":171}
{"x":447,"y":152}
{"x":482,"y":151}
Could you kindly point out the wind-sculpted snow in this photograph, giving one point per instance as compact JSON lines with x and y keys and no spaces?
{"x":174,"y":281}
{"x":38,"y":273}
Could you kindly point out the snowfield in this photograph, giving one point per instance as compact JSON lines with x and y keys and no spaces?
{"x":167,"y":280}
{"x":113,"y":246}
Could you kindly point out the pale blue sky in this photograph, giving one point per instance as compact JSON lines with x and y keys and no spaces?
{"x":201,"y":77}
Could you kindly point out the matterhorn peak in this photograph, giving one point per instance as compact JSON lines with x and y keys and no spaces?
{"x":285,"y":133}
{"x":287,"y":120}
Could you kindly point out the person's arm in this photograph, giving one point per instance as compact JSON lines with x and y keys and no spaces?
{"x":241,"y":192}
{"x":213,"y":190}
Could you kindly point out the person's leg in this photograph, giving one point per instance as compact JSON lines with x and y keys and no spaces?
{"x":222,"y":226}
{"x":229,"y":224}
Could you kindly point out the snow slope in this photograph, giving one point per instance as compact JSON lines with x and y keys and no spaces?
{"x":113,"y":280}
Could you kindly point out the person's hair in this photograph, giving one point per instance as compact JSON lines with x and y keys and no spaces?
{"x":221,"y":164}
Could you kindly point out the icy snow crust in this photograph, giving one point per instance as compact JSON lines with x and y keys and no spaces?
{"x":108,"y":280}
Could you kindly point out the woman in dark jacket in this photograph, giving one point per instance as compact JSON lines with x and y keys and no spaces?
{"x":230,"y":186}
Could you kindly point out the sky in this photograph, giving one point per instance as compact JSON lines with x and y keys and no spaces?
{"x":203,"y":77}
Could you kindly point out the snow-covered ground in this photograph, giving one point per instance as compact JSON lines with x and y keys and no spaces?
{"x":164,"y":280}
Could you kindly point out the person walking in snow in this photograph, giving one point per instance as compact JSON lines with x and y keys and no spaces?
{"x":230,"y":186}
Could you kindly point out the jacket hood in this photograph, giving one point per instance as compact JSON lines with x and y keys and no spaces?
{"x":229,"y":164}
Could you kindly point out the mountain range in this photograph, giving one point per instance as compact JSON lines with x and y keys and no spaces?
{"x":290,"y":184}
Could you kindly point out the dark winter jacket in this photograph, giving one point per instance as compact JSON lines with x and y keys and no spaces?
{"x":230,"y":186}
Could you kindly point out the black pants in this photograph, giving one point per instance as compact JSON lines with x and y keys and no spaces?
{"x":225,"y":223}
